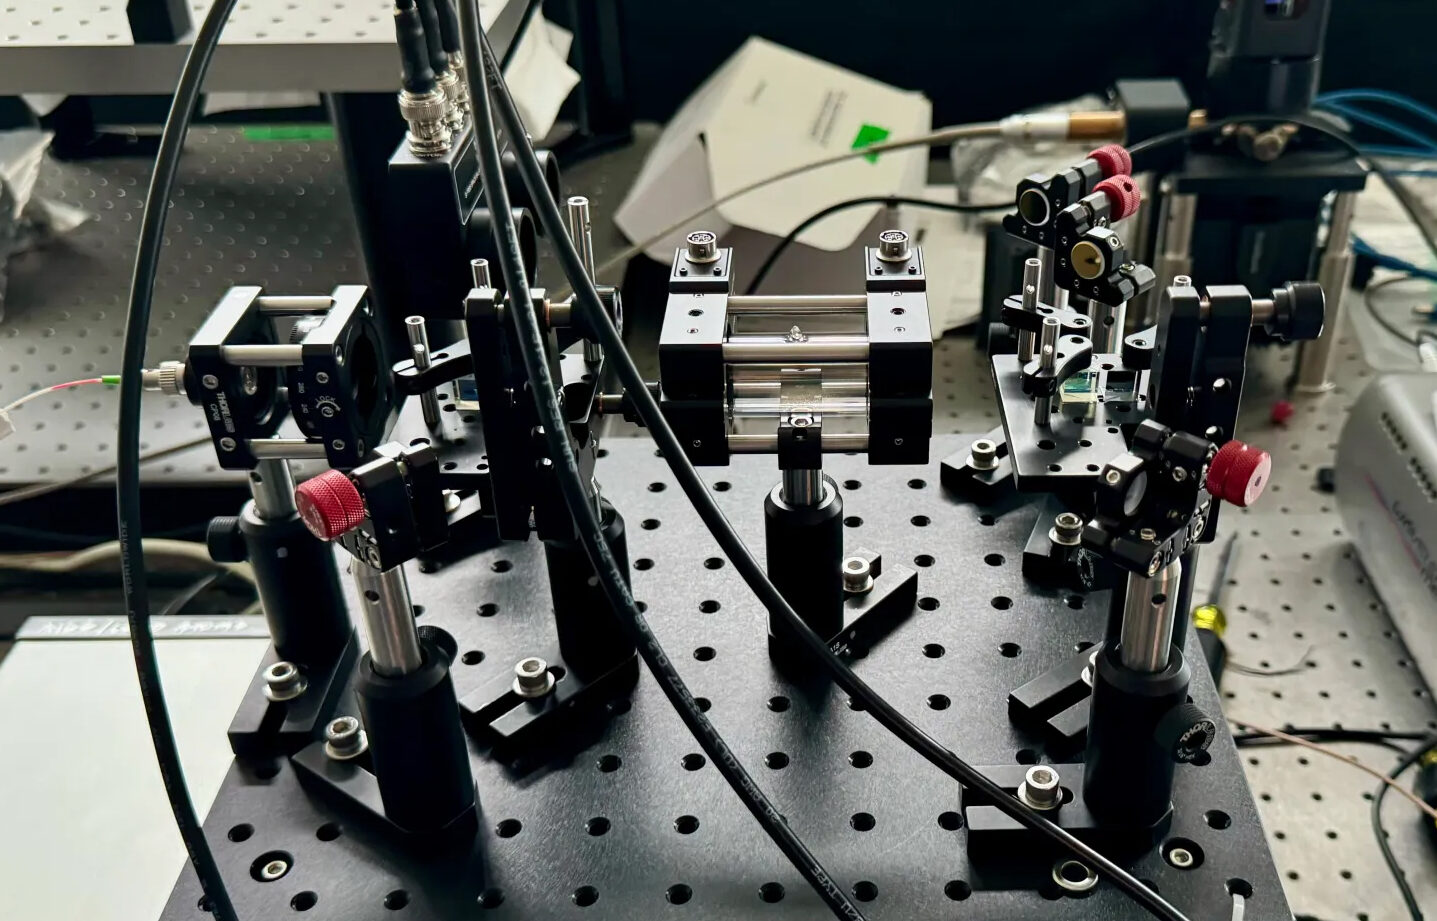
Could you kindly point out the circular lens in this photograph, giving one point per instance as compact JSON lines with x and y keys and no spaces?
{"x":1136,"y":490}
{"x":1033,"y":207}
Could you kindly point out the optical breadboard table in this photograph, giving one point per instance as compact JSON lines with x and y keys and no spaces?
{"x":634,"y":822}
{"x":276,"y":213}
{"x":82,"y":47}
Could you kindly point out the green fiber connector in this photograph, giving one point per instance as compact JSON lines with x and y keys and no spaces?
{"x":110,"y":380}
{"x":289,"y":132}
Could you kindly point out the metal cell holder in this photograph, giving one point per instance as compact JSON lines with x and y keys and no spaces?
{"x":732,"y":367}
{"x":801,"y":376}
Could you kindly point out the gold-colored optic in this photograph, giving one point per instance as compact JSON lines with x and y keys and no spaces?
{"x":1088,"y":260}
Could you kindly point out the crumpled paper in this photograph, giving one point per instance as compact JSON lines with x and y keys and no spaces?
{"x":27,"y":220}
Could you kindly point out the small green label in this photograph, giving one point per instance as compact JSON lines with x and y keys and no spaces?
{"x":868,"y":135}
{"x":318,"y":132}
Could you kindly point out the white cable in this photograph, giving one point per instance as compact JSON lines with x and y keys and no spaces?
{"x":1427,"y":355}
{"x":100,"y":553}
{"x":7,"y":425}
{"x":36,"y":394}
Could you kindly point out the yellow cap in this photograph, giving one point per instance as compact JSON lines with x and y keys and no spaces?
{"x":1210,"y":617}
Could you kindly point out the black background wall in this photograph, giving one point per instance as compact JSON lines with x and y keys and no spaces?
{"x":979,"y":60}
{"x":975,"y":59}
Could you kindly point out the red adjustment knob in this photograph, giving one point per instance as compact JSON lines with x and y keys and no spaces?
{"x":329,"y":504}
{"x":1113,"y":159}
{"x":1123,"y":196}
{"x":1282,"y":411}
{"x":1239,"y":473}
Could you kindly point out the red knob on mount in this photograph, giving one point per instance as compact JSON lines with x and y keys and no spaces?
{"x":1239,"y":473}
{"x":1124,"y":197}
{"x":329,"y":504}
{"x":1114,"y":160}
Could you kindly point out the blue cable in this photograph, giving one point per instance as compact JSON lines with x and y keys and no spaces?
{"x":1398,"y":100}
{"x":1363,"y":248}
{"x":1420,"y":140}
{"x":1403,"y":153}
{"x":1346,"y":104}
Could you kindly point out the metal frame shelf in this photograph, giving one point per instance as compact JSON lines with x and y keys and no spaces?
{"x":80,"y":47}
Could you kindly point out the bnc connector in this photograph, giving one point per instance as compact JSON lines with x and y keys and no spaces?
{"x":460,"y":103}
{"x":427,"y":115}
